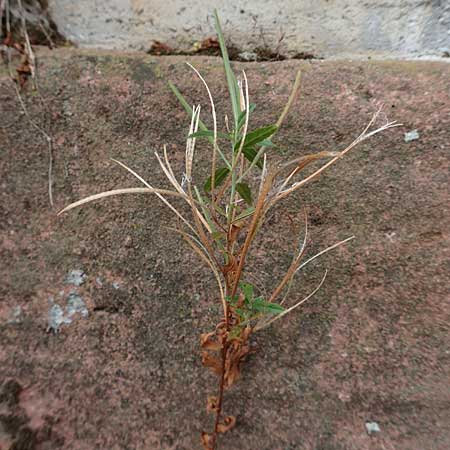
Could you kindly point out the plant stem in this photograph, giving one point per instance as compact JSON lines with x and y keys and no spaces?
{"x":221,"y":390}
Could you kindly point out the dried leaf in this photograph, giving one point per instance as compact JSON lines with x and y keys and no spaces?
{"x":212,"y":404}
{"x":207,"y":343}
{"x":233,"y":234}
{"x":307,"y":159}
{"x":231,"y":266}
{"x":210,"y":42}
{"x":238,"y":350}
{"x":232,"y":374}
{"x":207,"y":440}
{"x":212,"y":363}
{"x":159,"y":48}
{"x":228,"y":423}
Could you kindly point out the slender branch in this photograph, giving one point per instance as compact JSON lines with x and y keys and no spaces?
{"x":293,"y":267}
{"x":265,"y":324}
{"x":259,"y":210}
{"x":221,"y":391}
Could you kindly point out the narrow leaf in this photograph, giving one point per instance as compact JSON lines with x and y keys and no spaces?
{"x":201,"y":125}
{"x":266,"y":143}
{"x":241,"y":119}
{"x":250,"y":154}
{"x":248,"y":212}
{"x":247,"y":289}
{"x":219,"y":178}
{"x":217,"y":235}
{"x":231,"y":79}
{"x":207,"y":133}
{"x":187,"y":107}
{"x":245,"y":192}
{"x":260,"y":305}
{"x":257,"y":136}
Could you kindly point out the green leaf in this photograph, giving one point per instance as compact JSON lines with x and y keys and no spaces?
{"x":232,"y":301}
{"x":208,"y":133}
{"x":250,"y":154}
{"x":201,"y":125}
{"x":217,"y":235}
{"x":244,"y":192}
{"x":247,"y":290}
{"x":186,"y":106}
{"x":257,"y":136}
{"x":241,"y":119}
{"x":242,"y":313}
{"x":235,"y":332}
{"x":219,"y":178}
{"x":231,"y":79}
{"x":266,"y":143}
{"x":246,"y":213}
{"x":260,"y":305}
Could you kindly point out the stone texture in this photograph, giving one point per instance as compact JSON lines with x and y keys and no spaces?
{"x":370,"y":346}
{"x":321,"y":27}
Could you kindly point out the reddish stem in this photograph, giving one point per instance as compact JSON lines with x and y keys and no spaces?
{"x":221,"y":390}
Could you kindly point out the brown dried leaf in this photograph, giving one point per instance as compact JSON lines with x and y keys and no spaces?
{"x":207,"y":343}
{"x":159,"y":48}
{"x":212,"y":363}
{"x":232,"y":375}
{"x":209,"y":42}
{"x":207,"y":440}
{"x":228,"y":423}
{"x":233,"y":234}
{"x":307,"y":159}
{"x":231,"y":266}
{"x":238,"y":350}
{"x":212,"y":404}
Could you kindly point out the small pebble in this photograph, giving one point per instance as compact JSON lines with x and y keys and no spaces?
{"x":248,"y":56}
{"x":412,"y":136}
{"x":75,"y":304}
{"x":15,"y":315}
{"x":56,"y":318}
{"x":372,"y":427}
{"x":76,"y":277}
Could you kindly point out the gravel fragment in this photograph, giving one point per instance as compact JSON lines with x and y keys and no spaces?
{"x":372,"y":427}
{"x":412,"y":136}
{"x":76,"y":277}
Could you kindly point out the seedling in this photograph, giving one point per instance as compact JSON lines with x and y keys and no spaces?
{"x":228,"y":209}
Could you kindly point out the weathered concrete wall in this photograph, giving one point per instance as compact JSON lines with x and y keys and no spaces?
{"x":322,"y":27}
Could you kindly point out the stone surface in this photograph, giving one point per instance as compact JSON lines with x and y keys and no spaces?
{"x":322,"y":28}
{"x":371,"y":345}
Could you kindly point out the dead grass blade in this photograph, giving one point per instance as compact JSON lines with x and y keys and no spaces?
{"x":324,"y":251}
{"x":213,"y":113}
{"x":160,"y":194}
{"x":265,"y":324}
{"x":362,"y":137}
{"x":113,"y":192}
{"x":204,"y":255}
